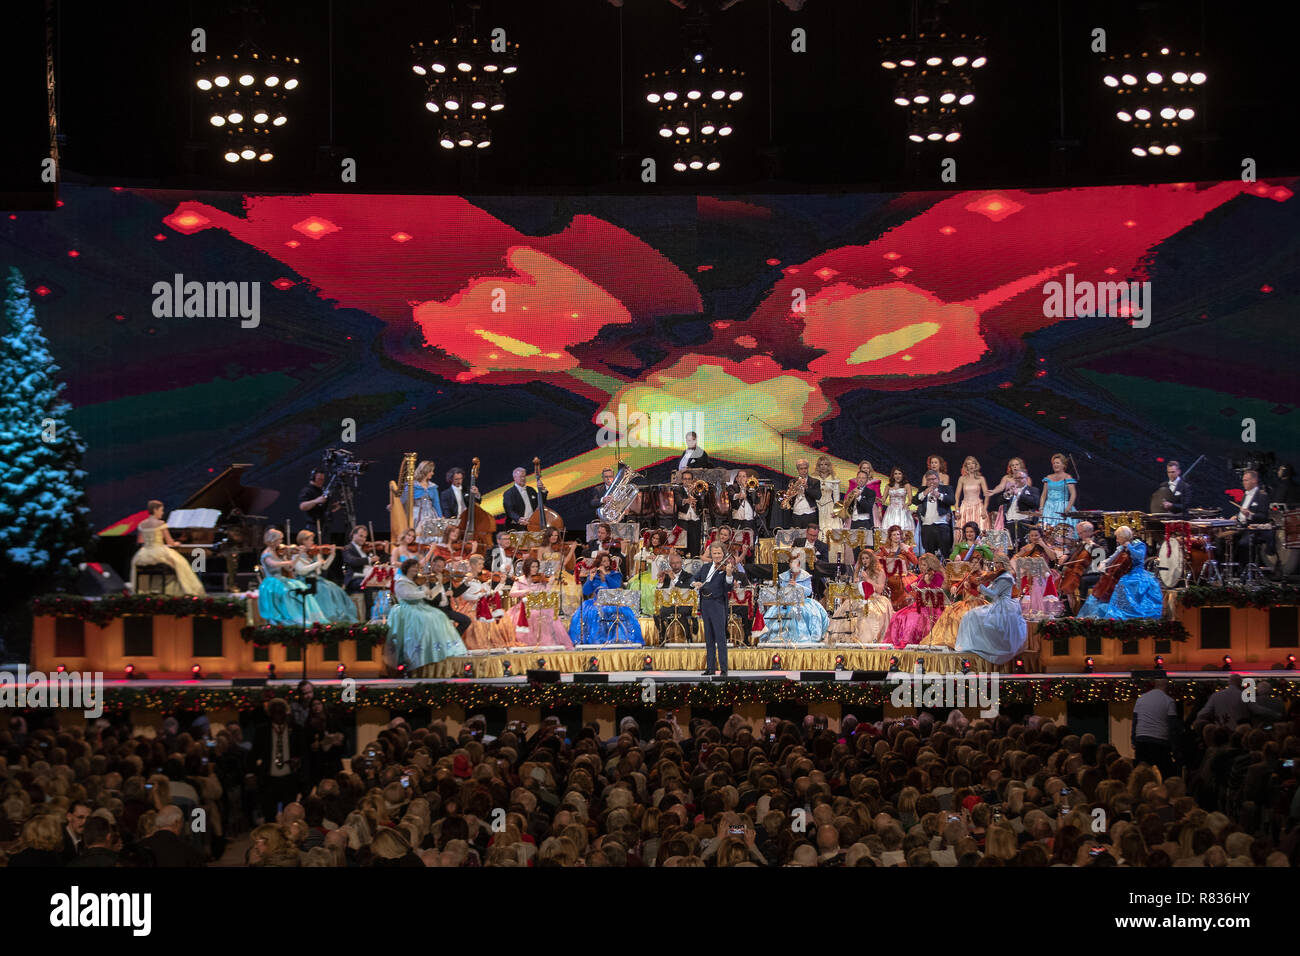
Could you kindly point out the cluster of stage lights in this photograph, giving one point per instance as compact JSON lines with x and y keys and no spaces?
{"x":1155,"y":97}
{"x":464,"y":83}
{"x":934,"y":77}
{"x":695,"y":112}
{"x":246,"y":97}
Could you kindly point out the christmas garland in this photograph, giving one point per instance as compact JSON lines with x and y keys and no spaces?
{"x":1270,"y":595}
{"x":471,"y":696}
{"x":295,"y":636}
{"x":1133,"y":630}
{"x":105,"y":609}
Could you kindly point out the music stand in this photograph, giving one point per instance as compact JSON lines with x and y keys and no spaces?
{"x":307,"y":591}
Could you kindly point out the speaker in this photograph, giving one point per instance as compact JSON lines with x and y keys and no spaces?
{"x":96,"y":580}
{"x":816,"y":675}
{"x":583,"y":678}
{"x":870,"y":677}
{"x":544,"y":677}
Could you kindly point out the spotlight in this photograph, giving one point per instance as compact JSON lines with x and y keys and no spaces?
{"x":290,"y":84}
{"x":708,"y":129}
{"x":1142,"y":113}
{"x":839,"y":662}
{"x":947,"y":96}
{"x":1173,"y":149}
{"x":966,"y":99}
{"x":1227,"y":662}
{"x":1110,"y":80}
{"x":464,"y":66}
{"x":921,"y":97}
{"x":221,"y":81}
{"x":451,"y":105}
{"x":647,"y":662}
{"x":1129,"y":79}
{"x":62,"y":668}
{"x":953,"y":136}
{"x":724,"y":130}
{"x":270,"y":672}
{"x":592,"y":665}
{"x":696,"y":163}
{"x":432,"y":107}
{"x":978,"y":62}
{"x":694,"y":95}
{"x":1160,"y":664}
{"x":902,"y":101}
{"x":465,"y":140}
{"x":1124,"y":116}
{"x":1197,"y":78}
{"x":679,"y":166}
{"x":541,"y":663}
{"x":1186,"y":113}
{"x":1154,"y":78}
{"x":907,"y":62}
{"x":889,"y":64}
{"x":204,"y":84}
{"x":1290,"y":662}
{"x":933,"y":60}
{"x":506,"y":669}
{"x":401,"y":670}
{"x":713,"y":166}
{"x":1168,"y":112}
{"x":670,"y":96}
{"x":260,"y":117}
{"x":965,"y":666}
{"x":217,"y":120}
{"x":682,"y":129}
{"x":1155,"y":149}
{"x":478,"y":103}
{"x":1089,"y":666}
{"x":916,"y":137}
{"x":652,"y":97}
{"x":1139,"y":151}
{"x":920,"y":666}
{"x":235,"y":116}
{"x":196,"y":672}
{"x":247,"y":153}
{"x":341,"y":670}
{"x":718,"y":94}
{"x":246,"y":79}
{"x":776,"y":662}
{"x":483,"y":144}
{"x":893,"y":665}
{"x":274,"y":81}
{"x":1020,"y":665}
{"x":279,"y":120}
{"x":1178,"y":76}
{"x":129,"y":671}
{"x":960,"y":61}
{"x":467,"y":670}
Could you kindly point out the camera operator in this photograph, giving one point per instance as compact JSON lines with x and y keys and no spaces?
{"x":319,"y":511}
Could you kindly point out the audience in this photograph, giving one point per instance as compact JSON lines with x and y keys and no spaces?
{"x":915,"y":792}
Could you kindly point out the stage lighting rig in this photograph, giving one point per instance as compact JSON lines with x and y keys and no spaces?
{"x":696,"y":108}
{"x":934,"y":77}
{"x":1155,"y":97}
{"x":245,"y":96}
{"x":464,"y":81}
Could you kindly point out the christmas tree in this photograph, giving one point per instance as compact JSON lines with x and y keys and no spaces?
{"x":44,"y":523}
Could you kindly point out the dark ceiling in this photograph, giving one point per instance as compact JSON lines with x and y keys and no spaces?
{"x":576,"y":120}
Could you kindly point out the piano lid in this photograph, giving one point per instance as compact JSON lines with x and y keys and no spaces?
{"x":226,"y":492}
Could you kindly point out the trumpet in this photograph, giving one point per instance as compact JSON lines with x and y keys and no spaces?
{"x":700,"y":488}
{"x":796,"y":487}
{"x":751,"y":483}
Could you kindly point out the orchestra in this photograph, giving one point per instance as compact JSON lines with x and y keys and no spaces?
{"x":519,"y":578}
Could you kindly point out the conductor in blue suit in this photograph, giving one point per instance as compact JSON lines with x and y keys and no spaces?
{"x":715,"y":580}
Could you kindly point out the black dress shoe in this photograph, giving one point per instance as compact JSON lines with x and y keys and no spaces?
{"x":706,"y":674}
{"x":724,"y":673}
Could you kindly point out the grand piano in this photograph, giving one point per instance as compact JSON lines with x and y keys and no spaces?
{"x":226,"y":517}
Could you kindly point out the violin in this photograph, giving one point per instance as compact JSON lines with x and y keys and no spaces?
{"x":316,"y":549}
{"x":286,"y":550}
{"x":370,"y":547}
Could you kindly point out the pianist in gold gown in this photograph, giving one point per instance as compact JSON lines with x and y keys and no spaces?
{"x":156,"y":548}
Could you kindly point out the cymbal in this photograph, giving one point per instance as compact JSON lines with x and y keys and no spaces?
{"x":1202,"y":511}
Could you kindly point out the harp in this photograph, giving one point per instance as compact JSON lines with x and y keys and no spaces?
{"x":402,"y":509}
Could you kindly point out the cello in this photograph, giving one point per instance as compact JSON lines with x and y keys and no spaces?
{"x":553,"y":520}
{"x":1119,"y":566}
{"x":475,"y":524}
{"x":1072,"y":571}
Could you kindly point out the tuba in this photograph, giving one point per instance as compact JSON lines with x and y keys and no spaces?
{"x":401,"y":509}
{"x":621,"y":494}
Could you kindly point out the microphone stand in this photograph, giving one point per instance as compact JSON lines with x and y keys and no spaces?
{"x":302,"y":596}
{"x":781,"y":434}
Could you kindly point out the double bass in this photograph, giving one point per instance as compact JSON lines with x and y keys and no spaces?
{"x":1119,"y":566}
{"x":535,"y":519}
{"x":476,"y":524}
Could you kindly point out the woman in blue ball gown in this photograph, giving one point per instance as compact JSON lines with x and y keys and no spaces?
{"x":997,"y":631}
{"x":333,"y":600}
{"x":280,"y":596}
{"x":805,"y":623}
{"x":425,"y":501}
{"x":594,"y":624}
{"x":418,"y":633}
{"x":1137,"y":593}
{"x":1059,"y":493}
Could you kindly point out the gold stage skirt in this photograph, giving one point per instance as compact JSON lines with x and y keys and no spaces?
{"x":611,"y":659}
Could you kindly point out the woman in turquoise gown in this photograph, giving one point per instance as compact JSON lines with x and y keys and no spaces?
{"x":418,"y":633}
{"x":805,"y":623}
{"x":594,"y":624}
{"x":333,"y":600}
{"x":1058,"y":495}
{"x":280,"y":597}
{"x":1137,"y":593}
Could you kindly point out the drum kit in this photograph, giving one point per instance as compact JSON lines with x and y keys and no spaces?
{"x":1198,"y":549}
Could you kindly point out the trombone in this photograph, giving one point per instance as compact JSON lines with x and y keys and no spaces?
{"x":796,"y":487}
